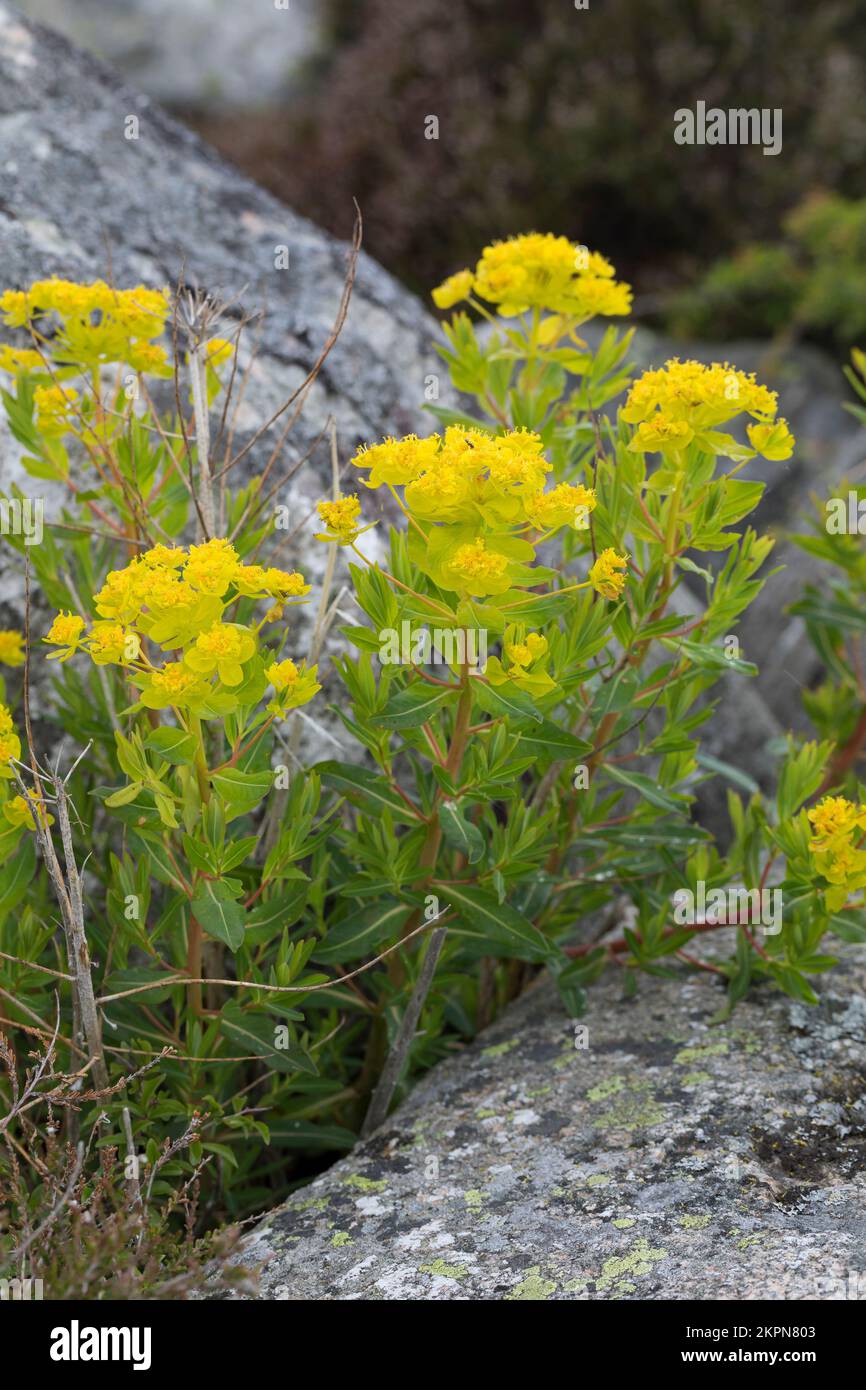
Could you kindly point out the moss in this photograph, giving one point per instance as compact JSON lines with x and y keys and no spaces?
{"x":500,"y":1049}
{"x":622,"y":1223}
{"x":474,"y":1198}
{"x":533,"y":1288}
{"x":365,"y":1184}
{"x":634,"y":1104}
{"x":445,"y":1271}
{"x":310,"y":1204}
{"x":639,"y":1261}
{"x":485,"y":1114}
{"x":340,"y":1238}
{"x":696,"y":1078}
{"x":700,"y":1052}
{"x":694,"y":1223}
{"x":598,"y":1180}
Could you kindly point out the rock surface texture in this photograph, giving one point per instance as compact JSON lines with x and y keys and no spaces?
{"x":213,"y":55}
{"x":668,"y":1158}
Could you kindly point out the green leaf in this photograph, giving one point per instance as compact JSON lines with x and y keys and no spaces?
{"x":282,"y":910}
{"x":215,"y":910}
{"x":174,"y":745}
{"x":362,"y":933}
{"x":495,"y":928}
{"x":256,"y":1033}
{"x":15,"y":877}
{"x":505,"y":699}
{"x":548,"y":738}
{"x":727,"y":770}
{"x":413,"y":706}
{"x":125,"y":795}
{"x":242,"y":791}
{"x":359,"y":784}
{"x":460,"y":833}
{"x":646,"y":787}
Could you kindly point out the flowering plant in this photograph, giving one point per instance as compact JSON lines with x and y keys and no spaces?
{"x":523,"y":693}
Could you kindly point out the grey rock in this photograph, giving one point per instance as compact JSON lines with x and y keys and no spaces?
{"x":670,"y":1158}
{"x":203,"y":54}
{"x":80,"y":200}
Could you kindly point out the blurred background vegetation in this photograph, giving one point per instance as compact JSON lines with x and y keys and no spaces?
{"x":550,"y":117}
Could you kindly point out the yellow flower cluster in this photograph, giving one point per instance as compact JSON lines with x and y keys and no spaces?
{"x":526,"y":655}
{"x":90,"y":324}
{"x":539,"y":271}
{"x":341,"y":518}
{"x":481,"y":496}
{"x":10,"y":743}
{"x":55,"y":409}
{"x":605,"y":576}
{"x":293,"y":686}
{"x":837,"y":833}
{"x":176,"y":599}
{"x":680,"y":402}
{"x":11,"y":647}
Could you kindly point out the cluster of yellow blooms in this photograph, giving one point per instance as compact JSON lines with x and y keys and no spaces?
{"x":543,"y":272}
{"x":90,"y":324}
{"x":11,"y":647}
{"x":838,"y":827}
{"x":176,"y":599}
{"x":17,"y":810}
{"x":680,"y":402}
{"x":476,"y":498}
{"x":526,"y":655}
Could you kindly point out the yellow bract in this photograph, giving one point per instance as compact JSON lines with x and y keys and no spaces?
{"x":685,"y":401}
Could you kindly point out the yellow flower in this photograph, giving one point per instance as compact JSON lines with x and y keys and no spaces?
{"x":294,"y":685}
{"x":111,"y":644}
{"x":525,"y":652}
{"x":149,"y":358}
{"x":565,"y":505}
{"x":703,"y":397}
{"x":169,"y":557}
{"x":659,"y":434}
{"x":20,"y":360}
{"x":222,"y":648}
{"x":453,"y":290}
{"x":10,"y":744}
{"x":96,"y":323}
{"x":174,"y":685}
{"x":774,"y":442}
{"x":18,"y":811}
{"x":833,"y":819}
{"x":54,"y":406}
{"x":604,"y":575}
{"x":219,"y":351}
{"x":341,"y":518}
{"x":397,"y":461}
{"x":211,"y":567}
{"x":11,"y":647}
{"x":282,"y":584}
{"x":65,"y":632}
{"x":548,"y":272}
